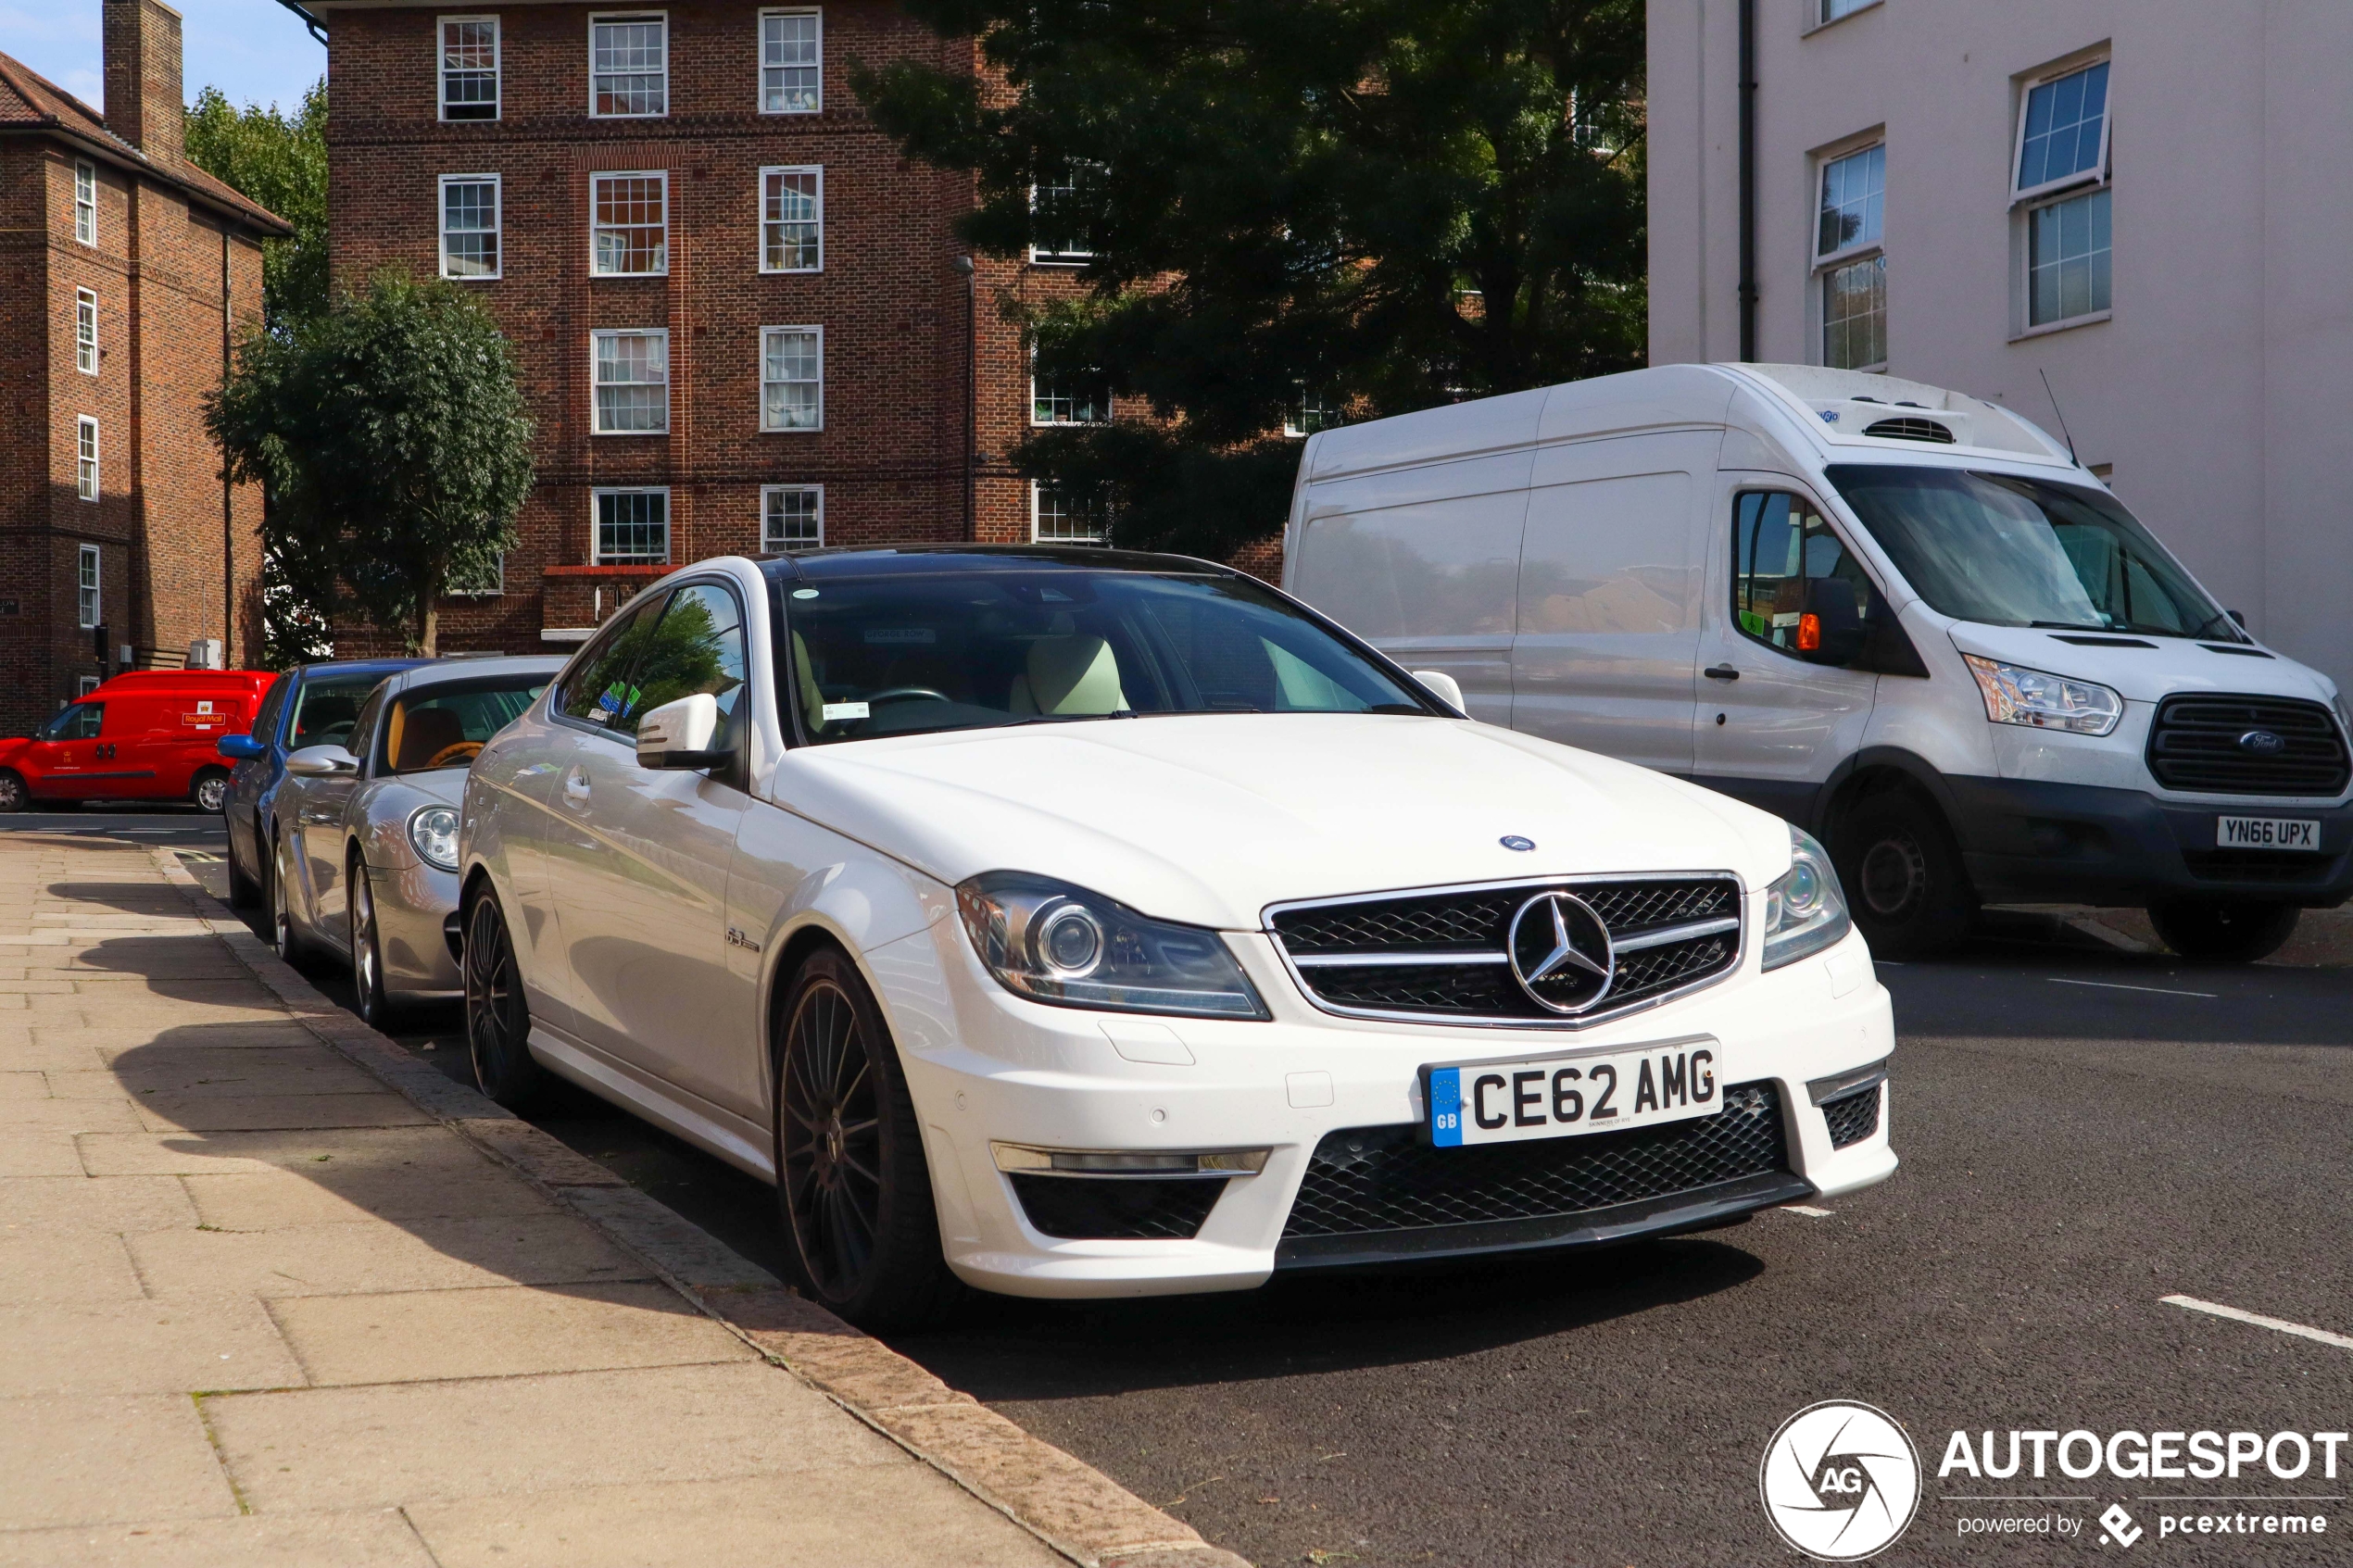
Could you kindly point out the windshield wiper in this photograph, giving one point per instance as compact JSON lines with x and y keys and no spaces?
{"x":2067,"y":626}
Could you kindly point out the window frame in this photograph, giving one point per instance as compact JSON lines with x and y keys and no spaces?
{"x":2027,"y":215}
{"x":87,"y":451}
{"x":498,"y":68}
{"x":89,"y":587}
{"x":1042,"y":258}
{"x":597,"y":176}
{"x":608,"y":18}
{"x":1823,"y":162}
{"x":85,"y":347}
{"x":498,"y":229}
{"x":84,"y":685}
{"x":496,"y":590}
{"x":1103,"y":416}
{"x":1038,"y":488}
{"x":760,"y":198}
{"x":1826,"y":265}
{"x":596,"y":556}
{"x":86,"y":208}
{"x":596,"y":409}
{"x":760,"y":98}
{"x":767,"y":429}
{"x":1732,"y":564}
{"x":2097,"y":174}
{"x":766,"y":492}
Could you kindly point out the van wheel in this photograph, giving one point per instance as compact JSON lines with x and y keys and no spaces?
{"x":854,"y":1191}
{"x":14,"y":796}
{"x":1903,"y":878}
{"x":498,"y":1018}
{"x":2208,"y":932}
{"x":210,"y":790}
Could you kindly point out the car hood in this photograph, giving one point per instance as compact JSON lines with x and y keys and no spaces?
{"x":1210,"y":818}
{"x":2146,"y":673}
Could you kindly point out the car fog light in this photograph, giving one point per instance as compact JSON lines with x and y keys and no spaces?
{"x":1025,"y":1160}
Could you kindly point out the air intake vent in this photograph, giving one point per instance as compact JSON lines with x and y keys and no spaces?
{"x":1910,"y":430}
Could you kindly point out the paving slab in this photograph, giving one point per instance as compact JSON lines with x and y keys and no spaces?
{"x":143,"y":1347}
{"x":378,"y":1539}
{"x":199,"y":1112}
{"x":85,"y":1460}
{"x":438,"y":1335}
{"x":108,"y":1205}
{"x":304,"y":1069}
{"x":372,"y":1256}
{"x":51,"y":1266}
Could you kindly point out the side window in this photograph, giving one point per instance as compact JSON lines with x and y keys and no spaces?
{"x":1796,"y":585}
{"x":78,"y":721}
{"x":363,"y":729}
{"x":698,"y":647}
{"x":599,"y":692}
{"x":265,"y":723}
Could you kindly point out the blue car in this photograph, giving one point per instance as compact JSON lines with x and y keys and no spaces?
{"x":309,"y":705}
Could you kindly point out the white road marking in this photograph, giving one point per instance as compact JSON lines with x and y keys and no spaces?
{"x":2305,"y":1331}
{"x":2152,"y":990}
{"x":1807,"y":1208}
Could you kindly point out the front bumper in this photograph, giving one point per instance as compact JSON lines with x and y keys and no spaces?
{"x":2035,"y":841}
{"x":412,"y":902}
{"x":984,"y":1067}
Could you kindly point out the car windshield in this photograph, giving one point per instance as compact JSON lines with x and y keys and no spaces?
{"x":445,"y":725}
{"x":910,"y":652}
{"x":2005,"y":551}
{"x":325,"y":708}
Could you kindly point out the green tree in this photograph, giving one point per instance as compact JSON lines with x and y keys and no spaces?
{"x":390,"y":433}
{"x":1360,"y":205}
{"x":281,"y":161}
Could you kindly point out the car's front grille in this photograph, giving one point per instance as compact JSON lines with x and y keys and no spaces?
{"x":1853,"y":1117}
{"x":1442,"y":955}
{"x":1116,"y":1208}
{"x":2199,"y":743}
{"x":1369,"y":1179}
{"x":2284,"y":867}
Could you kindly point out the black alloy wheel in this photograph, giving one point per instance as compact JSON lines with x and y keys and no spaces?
{"x":497,"y":1020}
{"x":210,"y":791}
{"x":853,"y":1190}
{"x":2209,"y":932}
{"x":373,"y":1004}
{"x":1903,"y":877}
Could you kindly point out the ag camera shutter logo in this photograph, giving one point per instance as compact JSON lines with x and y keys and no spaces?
{"x":1840,"y":1481}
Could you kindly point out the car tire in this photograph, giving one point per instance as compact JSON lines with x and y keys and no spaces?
{"x":1903,"y":877}
{"x":14,"y":796}
{"x":282,"y":935}
{"x":853,"y":1190}
{"x":371,"y":1000}
{"x":2209,"y":931}
{"x":208,"y":791}
{"x":497,"y":1016}
{"x":244,"y":891}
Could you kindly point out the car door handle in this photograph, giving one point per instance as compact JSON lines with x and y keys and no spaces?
{"x":577,"y":787}
{"x":1721,"y":673}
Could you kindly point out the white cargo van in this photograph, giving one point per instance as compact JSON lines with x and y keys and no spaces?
{"x":1902,"y":618}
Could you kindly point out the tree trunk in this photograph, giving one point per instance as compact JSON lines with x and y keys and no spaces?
{"x":428,"y":624}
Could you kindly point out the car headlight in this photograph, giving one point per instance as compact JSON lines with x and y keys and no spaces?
{"x":1051,"y":942}
{"x":434,"y":831}
{"x":1806,"y":910}
{"x":2044,"y":702}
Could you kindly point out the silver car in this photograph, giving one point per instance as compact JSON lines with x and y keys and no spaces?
{"x":366,"y":836}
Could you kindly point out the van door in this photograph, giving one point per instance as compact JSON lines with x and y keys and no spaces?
{"x":55,"y":766}
{"x":1610,"y":597}
{"x":1790,"y":607}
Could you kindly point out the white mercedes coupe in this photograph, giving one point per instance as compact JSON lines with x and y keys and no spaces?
{"x":1069,"y":923}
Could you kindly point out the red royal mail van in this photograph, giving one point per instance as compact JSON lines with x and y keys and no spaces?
{"x":145,"y":736}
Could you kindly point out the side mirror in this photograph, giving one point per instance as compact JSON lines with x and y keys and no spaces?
{"x":239,"y":749}
{"x":321,"y":762}
{"x":1830,"y":628}
{"x":678,"y":734}
{"x":2237,"y":616}
{"x":1443,"y":686}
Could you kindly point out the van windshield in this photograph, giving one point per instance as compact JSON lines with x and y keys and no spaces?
{"x":907,"y":652}
{"x":2005,"y":551}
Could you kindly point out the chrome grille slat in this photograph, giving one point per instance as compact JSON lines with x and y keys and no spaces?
{"x":1440,"y":955}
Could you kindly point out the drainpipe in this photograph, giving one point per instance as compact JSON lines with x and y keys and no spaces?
{"x":228,"y":494}
{"x":972,"y":391}
{"x":1748,"y":180}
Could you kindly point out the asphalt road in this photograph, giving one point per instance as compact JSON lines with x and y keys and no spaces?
{"x":2083,"y":1132}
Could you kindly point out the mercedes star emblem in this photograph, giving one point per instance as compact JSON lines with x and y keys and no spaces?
{"x":1560,"y":952}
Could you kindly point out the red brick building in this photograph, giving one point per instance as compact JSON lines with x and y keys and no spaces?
{"x":125,"y":275}
{"x":740,"y":314}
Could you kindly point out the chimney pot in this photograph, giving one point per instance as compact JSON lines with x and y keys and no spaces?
{"x":144,"y":105}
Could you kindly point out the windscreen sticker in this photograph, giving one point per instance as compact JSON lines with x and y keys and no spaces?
{"x":836,"y":712}
{"x":898,"y":636}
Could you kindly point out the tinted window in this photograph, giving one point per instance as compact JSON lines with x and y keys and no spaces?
{"x":77,"y":721}
{"x":356,"y":740}
{"x":265,"y":722}
{"x":914,"y":652}
{"x":697,"y":647}
{"x":445,"y":726}
{"x":600,"y":691}
{"x":326,"y":706}
{"x":1780,"y":541}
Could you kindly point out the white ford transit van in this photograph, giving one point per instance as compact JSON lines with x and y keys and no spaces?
{"x":1904,"y":619}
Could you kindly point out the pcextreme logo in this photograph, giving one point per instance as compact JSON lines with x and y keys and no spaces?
{"x":1840,"y":1481}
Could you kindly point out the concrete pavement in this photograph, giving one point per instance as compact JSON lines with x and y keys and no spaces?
{"x":257,"y":1308}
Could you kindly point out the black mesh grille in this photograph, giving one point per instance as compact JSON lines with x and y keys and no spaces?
{"x":1363,"y":1179}
{"x":1853,"y":1117}
{"x":2195,"y":745}
{"x":1480,"y":921}
{"x":1117,"y":1209}
{"x":1906,"y":429}
{"x":2284,"y":867}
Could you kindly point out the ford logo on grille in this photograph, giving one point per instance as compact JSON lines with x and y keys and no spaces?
{"x":1560,"y":952}
{"x":2264,"y":743}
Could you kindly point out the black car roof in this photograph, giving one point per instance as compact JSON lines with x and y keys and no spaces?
{"x":942,"y":559}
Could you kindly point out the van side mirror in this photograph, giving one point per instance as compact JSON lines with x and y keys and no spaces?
{"x":1829,"y":626}
{"x":679,"y":735}
{"x":1443,"y":686}
{"x":2237,"y":616}
{"x":239,"y":749}
{"x":321,"y":762}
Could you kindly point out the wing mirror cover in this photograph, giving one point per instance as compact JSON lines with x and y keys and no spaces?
{"x":1443,"y":686}
{"x":239,"y":749}
{"x":321,"y":762}
{"x":679,"y":735}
